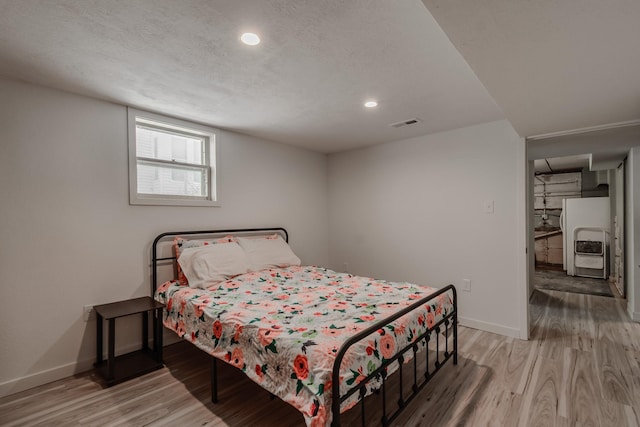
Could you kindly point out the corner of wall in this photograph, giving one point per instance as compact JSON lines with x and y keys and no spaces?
{"x":634,"y":315}
{"x":491,"y":327}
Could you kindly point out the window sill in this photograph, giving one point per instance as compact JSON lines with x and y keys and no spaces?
{"x":153,"y":201}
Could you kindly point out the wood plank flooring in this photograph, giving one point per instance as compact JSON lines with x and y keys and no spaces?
{"x":581,"y":367}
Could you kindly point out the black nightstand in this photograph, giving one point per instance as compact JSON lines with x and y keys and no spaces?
{"x":130,"y":365}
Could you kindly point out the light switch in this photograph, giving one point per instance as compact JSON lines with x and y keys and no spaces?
{"x":487,"y":206}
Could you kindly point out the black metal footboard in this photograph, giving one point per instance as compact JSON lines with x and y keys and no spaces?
{"x":448,"y":324}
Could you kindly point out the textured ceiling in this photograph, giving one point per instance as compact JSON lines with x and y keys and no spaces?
{"x":304,"y":84}
{"x":551,"y":65}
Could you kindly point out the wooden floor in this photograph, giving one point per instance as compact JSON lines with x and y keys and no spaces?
{"x":581,"y":367}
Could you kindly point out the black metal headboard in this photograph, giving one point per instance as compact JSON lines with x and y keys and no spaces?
{"x":203,"y":233}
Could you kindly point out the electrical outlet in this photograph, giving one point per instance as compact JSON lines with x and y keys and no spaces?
{"x":88,"y":313}
{"x":466,"y":285}
{"x":487,"y":206}
{"x":345,"y":267}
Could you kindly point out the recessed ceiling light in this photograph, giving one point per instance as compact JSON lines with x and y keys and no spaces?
{"x":371,"y":104}
{"x":251,"y":39}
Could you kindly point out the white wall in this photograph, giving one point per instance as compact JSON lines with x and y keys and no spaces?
{"x":412,"y":210}
{"x":632,"y":235}
{"x":531,"y":248}
{"x":70,"y":237}
{"x":619,"y":174}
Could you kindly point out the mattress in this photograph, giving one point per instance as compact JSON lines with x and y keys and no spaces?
{"x":283,"y":328}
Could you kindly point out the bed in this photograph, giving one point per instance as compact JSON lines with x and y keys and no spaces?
{"x":300,"y":330}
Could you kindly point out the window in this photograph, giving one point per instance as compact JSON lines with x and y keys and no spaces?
{"x":171,"y":162}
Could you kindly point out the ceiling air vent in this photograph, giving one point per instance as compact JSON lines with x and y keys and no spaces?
{"x":404,"y":123}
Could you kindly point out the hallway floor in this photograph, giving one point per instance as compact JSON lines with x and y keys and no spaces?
{"x":560,"y":281}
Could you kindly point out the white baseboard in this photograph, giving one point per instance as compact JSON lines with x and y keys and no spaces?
{"x":635,"y":315}
{"x":59,"y":372}
{"x":43,"y":377}
{"x":489,"y":327}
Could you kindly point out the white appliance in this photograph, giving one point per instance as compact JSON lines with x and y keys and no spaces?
{"x":585,"y":228}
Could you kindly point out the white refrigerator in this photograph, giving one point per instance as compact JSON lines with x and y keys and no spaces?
{"x":585,"y":226}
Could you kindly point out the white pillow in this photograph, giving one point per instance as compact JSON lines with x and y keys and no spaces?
{"x":264,"y":253}
{"x":207,"y":265}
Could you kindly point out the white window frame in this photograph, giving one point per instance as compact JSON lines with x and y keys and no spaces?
{"x":211,"y":160}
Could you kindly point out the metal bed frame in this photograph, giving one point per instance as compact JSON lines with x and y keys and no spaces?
{"x":444,"y":328}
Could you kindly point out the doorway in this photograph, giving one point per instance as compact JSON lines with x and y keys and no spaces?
{"x":575,"y":219}
{"x":611,"y":148}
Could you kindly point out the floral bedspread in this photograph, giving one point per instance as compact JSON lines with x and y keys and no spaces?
{"x":283,"y":328}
